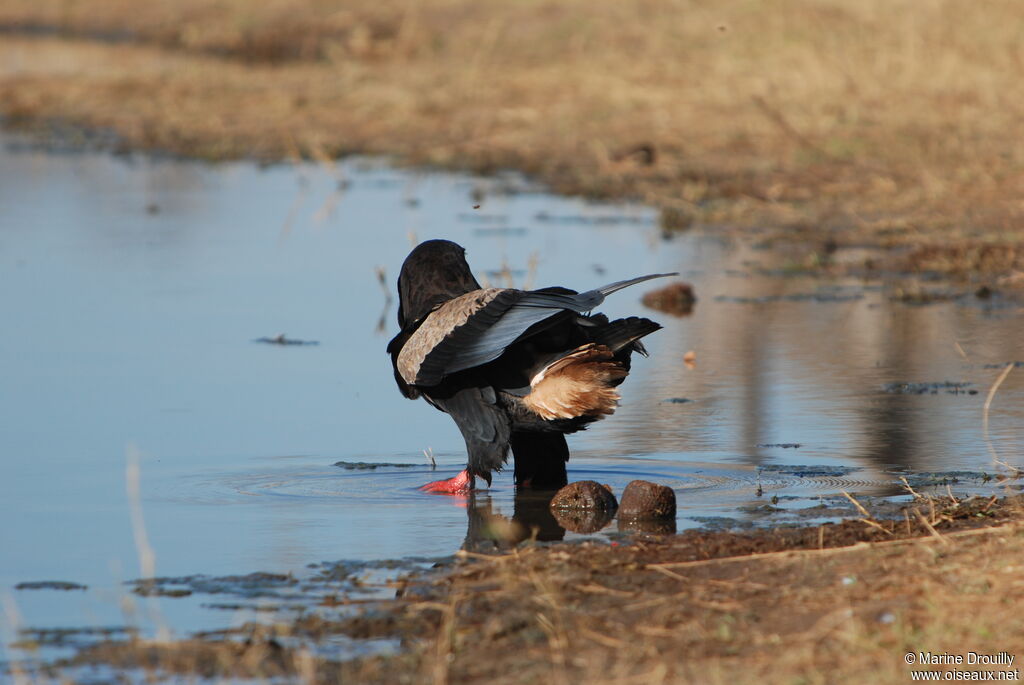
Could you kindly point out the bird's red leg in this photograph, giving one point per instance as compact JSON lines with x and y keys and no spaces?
{"x":459,"y":485}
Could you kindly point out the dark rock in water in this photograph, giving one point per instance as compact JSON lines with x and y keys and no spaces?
{"x":677,"y":400}
{"x":782,"y":445}
{"x":585,"y":506}
{"x":665,"y":526}
{"x":674,"y":298}
{"x":643,"y":500}
{"x":584,"y":494}
{"x":49,"y":585}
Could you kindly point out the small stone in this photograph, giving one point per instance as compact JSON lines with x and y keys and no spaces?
{"x":645,"y":500}
{"x":584,"y":494}
{"x":585,"y":506}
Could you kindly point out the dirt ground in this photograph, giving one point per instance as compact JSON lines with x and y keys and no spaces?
{"x":830,"y":124}
{"x":835,"y":603}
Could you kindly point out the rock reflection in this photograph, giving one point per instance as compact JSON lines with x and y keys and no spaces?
{"x":583,"y":520}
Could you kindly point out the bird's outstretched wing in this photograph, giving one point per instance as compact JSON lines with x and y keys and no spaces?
{"x":477,"y":327}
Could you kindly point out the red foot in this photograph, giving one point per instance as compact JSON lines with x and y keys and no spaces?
{"x":459,"y":485}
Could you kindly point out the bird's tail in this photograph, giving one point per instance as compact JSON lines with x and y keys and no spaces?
{"x":578,"y":385}
{"x":620,"y":333}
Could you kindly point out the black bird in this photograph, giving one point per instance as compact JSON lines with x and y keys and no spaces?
{"x":513,"y":368}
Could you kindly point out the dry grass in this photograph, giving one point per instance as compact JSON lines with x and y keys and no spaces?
{"x":894,"y":123}
{"x":837,"y":603}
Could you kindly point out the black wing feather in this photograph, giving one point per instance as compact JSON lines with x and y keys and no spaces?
{"x":488,"y":332}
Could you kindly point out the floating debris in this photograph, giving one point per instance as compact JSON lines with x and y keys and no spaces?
{"x":499,"y":230}
{"x":782,"y":445}
{"x":281,"y":339}
{"x":73,"y":637}
{"x":483,"y":218}
{"x":50,"y":585}
{"x":826,"y":296}
{"x":1016,"y":365}
{"x":923,"y":297}
{"x":256,"y":584}
{"x":369,"y":466}
{"x":812,"y":471}
{"x":677,"y":400}
{"x":237,"y":606}
{"x":721,"y":523}
{"x":950,"y":388}
{"x":598,"y":220}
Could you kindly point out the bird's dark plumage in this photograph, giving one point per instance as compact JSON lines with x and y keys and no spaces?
{"x":512,"y":367}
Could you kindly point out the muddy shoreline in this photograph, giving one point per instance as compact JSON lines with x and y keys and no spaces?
{"x":845,"y":600}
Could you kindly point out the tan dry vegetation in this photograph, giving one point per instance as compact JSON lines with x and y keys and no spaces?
{"x":805,"y":605}
{"x":885,"y":122}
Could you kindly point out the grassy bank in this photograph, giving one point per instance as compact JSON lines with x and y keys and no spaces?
{"x":883,"y":123}
{"x":837,"y":603}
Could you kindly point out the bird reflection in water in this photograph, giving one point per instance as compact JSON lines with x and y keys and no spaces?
{"x":532,"y":519}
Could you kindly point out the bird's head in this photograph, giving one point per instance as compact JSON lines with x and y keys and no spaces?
{"x":434,"y":272}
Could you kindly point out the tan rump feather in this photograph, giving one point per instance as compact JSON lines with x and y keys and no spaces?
{"x":582,"y":383}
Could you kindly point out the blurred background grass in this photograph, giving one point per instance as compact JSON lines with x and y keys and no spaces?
{"x":878,"y":122}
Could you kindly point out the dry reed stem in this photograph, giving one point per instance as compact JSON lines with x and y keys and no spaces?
{"x":909,"y":489}
{"x":984,"y":420}
{"x":876,"y":525}
{"x":931,"y":529}
{"x":863,"y":512}
{"x":147,"y":557}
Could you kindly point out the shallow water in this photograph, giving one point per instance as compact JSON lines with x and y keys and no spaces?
{"x":133,"y":290}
